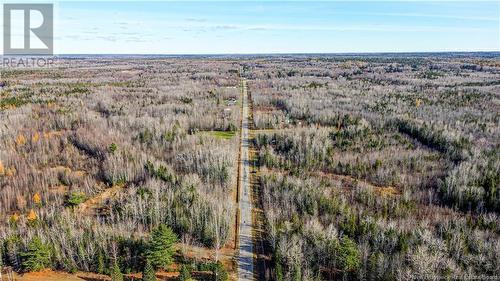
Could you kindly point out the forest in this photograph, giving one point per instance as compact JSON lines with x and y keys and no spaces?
{"x":97,"y":155}
{"x":379,"y":168}
{"x":375,"y":167}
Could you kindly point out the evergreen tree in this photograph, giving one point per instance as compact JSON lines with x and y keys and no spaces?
{"x":220,"y":273}
{"x":37,"y":256}
{"x":116,"y":274}
{"x":297,"y":275}
{"x":1,"y":256}
{"x":373,"y":265}
{"x":350,"y":256}
{"x":161,"y":247}
{"x":185,"y":274}
{"x":12,"y":250}
{"x":100,"y":263}
{"x":279,"y":272}
{"x":148,"y":273}
{"x":279,"y":268}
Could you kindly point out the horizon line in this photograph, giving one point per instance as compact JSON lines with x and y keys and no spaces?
{"x":261,"y":54}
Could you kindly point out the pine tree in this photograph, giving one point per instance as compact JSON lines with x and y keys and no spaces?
{"x":185,"y":274}
{"x":373,"y":265}
{"x":100,"y":263}
{"x":297,"y":275}
{"x":1,"y":256}
{"x":148,"y":273}
{"x":219,"y":272}
{"x":161,"y":247}
{"x":116,"y":274}
{"x":37,"y":256}
{"x":12,"y":245}
{"x":279,"y":268}
{"x":349,"y":254}
{"x":279,"y":272}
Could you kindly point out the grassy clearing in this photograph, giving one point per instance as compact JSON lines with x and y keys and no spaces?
{"x":227,"y":135}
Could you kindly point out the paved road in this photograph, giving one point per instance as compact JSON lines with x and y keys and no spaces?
{"x":245,"y":259}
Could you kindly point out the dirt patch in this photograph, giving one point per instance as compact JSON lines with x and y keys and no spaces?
{"x":386,"y":191}
{"x":58,"y":189}
{"x":47,"y":275}
{"x":90,"y":206}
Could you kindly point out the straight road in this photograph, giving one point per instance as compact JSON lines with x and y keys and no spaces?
{"x":245,"y":259}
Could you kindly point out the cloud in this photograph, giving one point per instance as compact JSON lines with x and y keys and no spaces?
{"x":196,"y":20}
{"x":437,"y":16}
{"x":135,"y":39}
{"x":341,"y":28}
{"x":107,"y":38}
{"x":258,"y":28}
{"x":226,"y":27}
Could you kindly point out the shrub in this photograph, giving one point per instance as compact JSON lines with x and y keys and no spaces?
{"x":163,"y":173}
{"x":113,"y":147}
{"x":75,"y":199}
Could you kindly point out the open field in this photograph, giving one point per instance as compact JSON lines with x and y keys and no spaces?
{"x":382,"y":167}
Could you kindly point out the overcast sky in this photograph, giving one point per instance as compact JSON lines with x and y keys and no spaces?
{"x":206,"y":27}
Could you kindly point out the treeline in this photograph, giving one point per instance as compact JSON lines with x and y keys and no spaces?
{"x":456,"y":147}
{"x":124,"y":255}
